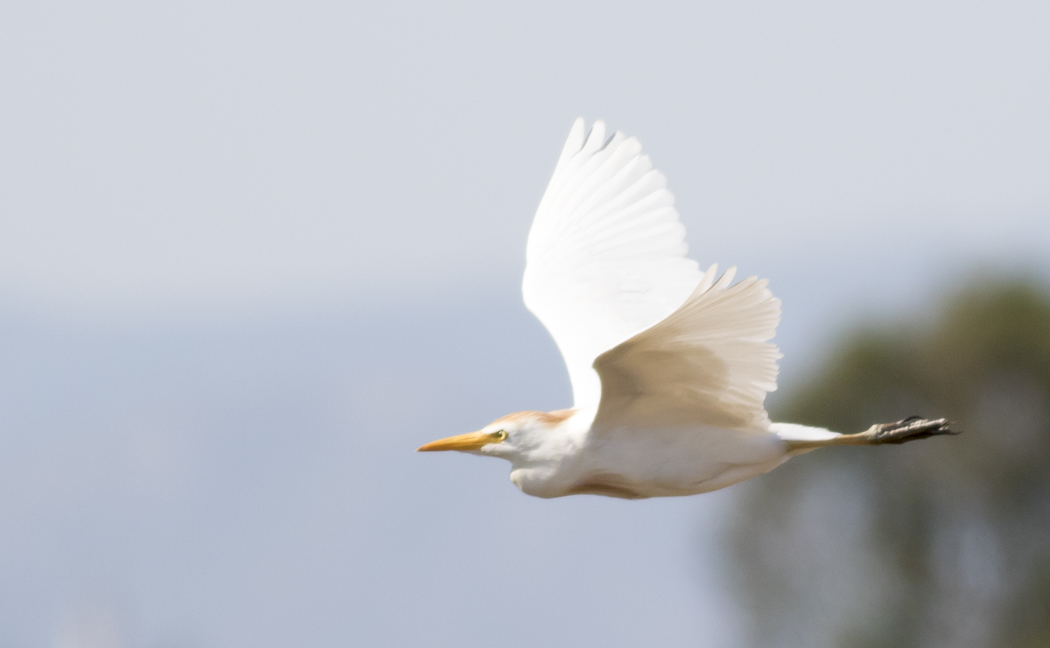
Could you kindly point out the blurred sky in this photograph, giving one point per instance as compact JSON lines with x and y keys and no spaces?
{"x":252,"y":254}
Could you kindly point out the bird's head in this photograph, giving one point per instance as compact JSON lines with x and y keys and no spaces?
{"x":514,"y":437}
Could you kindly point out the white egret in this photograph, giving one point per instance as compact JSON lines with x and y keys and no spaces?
{"x":669,"y":365}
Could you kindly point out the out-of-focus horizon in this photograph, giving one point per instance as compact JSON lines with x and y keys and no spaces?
{"x":940,"y":544}
{"x":252,"y":254}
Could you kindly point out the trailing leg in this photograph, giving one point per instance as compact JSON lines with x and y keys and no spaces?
{"x":909,"y":429}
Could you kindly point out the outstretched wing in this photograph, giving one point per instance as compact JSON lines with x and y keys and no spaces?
{"x":606,"y":253}
{"x":709,"y":363}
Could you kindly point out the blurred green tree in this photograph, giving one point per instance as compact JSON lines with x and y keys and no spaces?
{"x":943,"y":542}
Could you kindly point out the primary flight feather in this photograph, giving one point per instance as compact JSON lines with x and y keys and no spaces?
{"x":669,"y":365}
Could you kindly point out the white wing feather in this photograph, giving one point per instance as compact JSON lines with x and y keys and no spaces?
{"x":709,"y":363}
{"x":606,"y":253}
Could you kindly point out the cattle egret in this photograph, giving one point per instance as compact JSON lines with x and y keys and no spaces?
{"x":669,"y":365}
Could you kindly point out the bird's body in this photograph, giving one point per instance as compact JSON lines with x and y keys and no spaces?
{"x":637,"y":463}
{"x":669,"y":366}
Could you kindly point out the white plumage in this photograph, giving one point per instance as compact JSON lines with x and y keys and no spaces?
{"x":669,"y":366}
{"x":606,"y":254}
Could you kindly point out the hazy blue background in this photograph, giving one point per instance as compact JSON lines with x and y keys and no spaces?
{"x":251,"y":255}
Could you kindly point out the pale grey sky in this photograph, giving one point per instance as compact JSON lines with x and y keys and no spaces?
{"x":184,"y":159}
{"x":252,"y":254}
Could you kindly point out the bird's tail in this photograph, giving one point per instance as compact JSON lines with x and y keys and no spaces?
{"x":793,"y":432}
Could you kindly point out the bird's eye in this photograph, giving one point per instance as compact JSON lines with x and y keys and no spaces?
{"x":501,"y":435}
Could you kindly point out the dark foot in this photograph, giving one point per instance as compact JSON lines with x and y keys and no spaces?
{"x":910,"y":429}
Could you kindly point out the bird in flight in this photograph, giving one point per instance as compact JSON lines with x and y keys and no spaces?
{"x":669,"y":365}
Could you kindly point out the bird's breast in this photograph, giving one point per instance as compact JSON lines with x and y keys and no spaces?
{"x":634,"y":463}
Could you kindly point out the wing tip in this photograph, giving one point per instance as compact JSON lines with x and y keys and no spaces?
{"x":576,"y":138}
{"x":726,"y":279}
{"x":596,"y":136}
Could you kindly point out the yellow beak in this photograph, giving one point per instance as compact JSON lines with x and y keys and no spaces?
{"x":463,"y":442}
